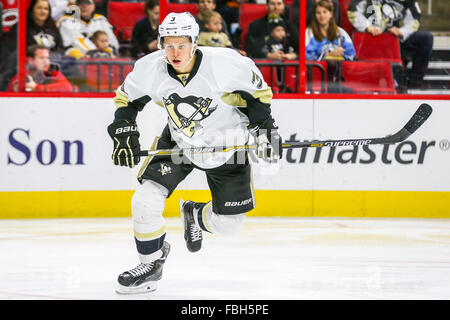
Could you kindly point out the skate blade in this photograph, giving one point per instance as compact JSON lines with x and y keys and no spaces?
{"x":143,"y":288}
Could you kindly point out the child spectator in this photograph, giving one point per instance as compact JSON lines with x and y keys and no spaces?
{"x":41,"y":76}
{"x":324,"y":40}
{"x":277,"y":45}
{"x":75,"y":30}
{"x":100,"y":39}
{"x":205,"y":6}
{"x":258,"y":29}
{"x":214,"y":36}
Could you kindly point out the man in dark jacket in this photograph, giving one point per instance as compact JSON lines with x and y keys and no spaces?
{"x":259,"y":29}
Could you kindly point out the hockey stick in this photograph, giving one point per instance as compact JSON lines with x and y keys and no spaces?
{"x":418,"y":118}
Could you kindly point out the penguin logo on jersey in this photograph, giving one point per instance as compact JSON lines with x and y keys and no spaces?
{"x":385,"y":14}
{"x":187,"y":113}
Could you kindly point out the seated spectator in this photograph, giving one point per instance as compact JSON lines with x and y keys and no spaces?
{"x":144,"y":38}
{"x":259,"y":29}
{"x":100,"y":39}
{"x":76,"y":31}
{"x":295,"y":11}
{"x":311,"y":4}
{"x":41,"y":76}
{"x":277,"y":46}
{"x":402,"y":19}
{"x":324,"y":40}
{"x":41,"y":28}
{"x":205,"y":6}
{"x":213,"y":36}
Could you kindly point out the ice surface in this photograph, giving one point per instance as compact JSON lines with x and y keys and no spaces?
{"x":272,"y":258}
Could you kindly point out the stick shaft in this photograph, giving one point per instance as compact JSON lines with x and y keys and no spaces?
{"x":418,"y":118}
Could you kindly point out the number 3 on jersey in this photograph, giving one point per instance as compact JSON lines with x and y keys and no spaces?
{"x":257,"y":79}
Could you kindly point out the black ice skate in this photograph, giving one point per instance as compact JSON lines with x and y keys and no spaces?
{"x":192,"y":233}
{"x":144,"y":277}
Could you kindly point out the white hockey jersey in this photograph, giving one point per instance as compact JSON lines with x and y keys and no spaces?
{"x":75,"y":33}
{"x":212,"y":106}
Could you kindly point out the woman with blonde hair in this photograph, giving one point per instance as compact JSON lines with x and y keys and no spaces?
{"x":324,"y":39}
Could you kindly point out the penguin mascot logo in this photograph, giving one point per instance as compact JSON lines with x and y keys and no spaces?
{"x":384,"y":14}
{"x":187,"y":113}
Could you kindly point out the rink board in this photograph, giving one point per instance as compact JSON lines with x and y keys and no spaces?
{"x":56,"y":161}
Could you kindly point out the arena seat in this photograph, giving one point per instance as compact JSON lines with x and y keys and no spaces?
{"x":105,"y":75}
{"x":345,"y":22}
{"x":248,"y":13}
{"x":384,"y":47}
{"x":182,"y":7}
{"x":368,"y":77}
{"x":316,"y":76}
{"x":269,"y":73}
{"x":290,"y":77}
{"x":123,"y":16}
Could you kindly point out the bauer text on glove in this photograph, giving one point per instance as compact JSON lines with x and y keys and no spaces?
{"x":125,"y":137}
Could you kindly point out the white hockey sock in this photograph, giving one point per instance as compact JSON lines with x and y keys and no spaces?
{"x":149,"y":227}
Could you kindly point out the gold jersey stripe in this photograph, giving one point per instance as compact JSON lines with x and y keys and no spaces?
{"x":120,"y":100}
{"x":236,"y":100}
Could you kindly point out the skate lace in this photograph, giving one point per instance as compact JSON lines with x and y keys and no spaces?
{"x":196,"y":233}
{"x":141,"y":269}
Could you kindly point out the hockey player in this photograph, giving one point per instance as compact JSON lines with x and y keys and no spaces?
{"x":212,"y":97}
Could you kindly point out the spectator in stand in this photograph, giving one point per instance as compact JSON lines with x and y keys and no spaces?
{"x":324,"y":40}
{"x":204,"y":7}
{"x":213,"y":36}
{"x":402,"y":19}
{"x":259,"y":29}
{"x":41,"y":28}
{"x":41,"y":76}
{"x":100,"y":39}
{"x":76,"y":31}
{"x":310,"y":4}
{"x":144,"y":39}
{"x":277,"y":46}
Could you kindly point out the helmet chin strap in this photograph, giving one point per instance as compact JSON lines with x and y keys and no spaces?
{"x":193,"y":49}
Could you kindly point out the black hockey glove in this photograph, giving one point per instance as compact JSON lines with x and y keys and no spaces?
{"x":125,"y":137}
{"x":268,"y":140}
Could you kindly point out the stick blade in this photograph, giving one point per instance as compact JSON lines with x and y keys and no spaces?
{"x":418,"y":118}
